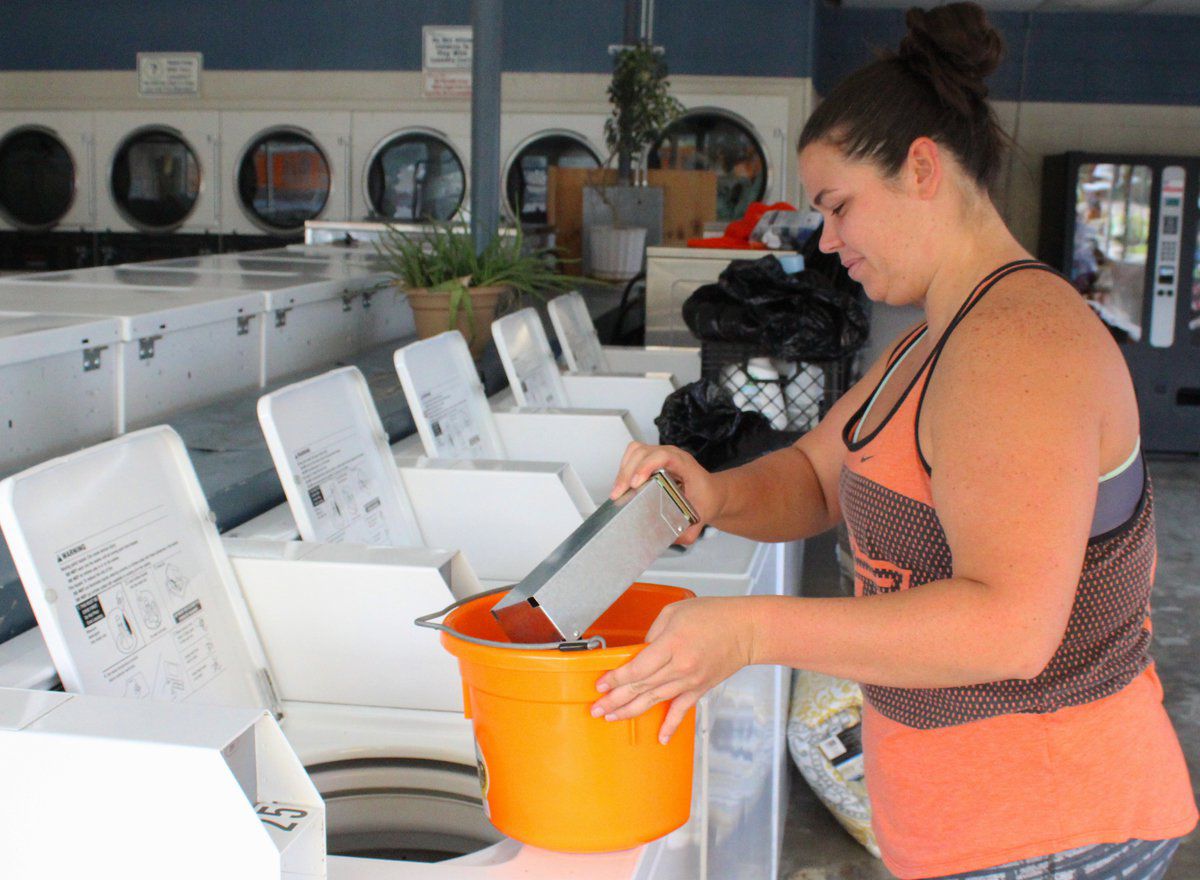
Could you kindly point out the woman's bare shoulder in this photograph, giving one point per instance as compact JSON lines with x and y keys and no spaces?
{"x":1031,"y":321}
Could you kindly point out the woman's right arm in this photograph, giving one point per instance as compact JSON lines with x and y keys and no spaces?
{"x":784,"y":496}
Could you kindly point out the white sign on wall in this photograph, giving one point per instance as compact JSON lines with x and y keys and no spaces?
{"x":446,"y":61}
{"x":169,"y":73}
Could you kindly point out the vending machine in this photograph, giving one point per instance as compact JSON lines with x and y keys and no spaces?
{"x":1124,"y":230}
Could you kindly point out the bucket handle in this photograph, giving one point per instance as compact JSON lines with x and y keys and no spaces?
{"x":426,"y":621}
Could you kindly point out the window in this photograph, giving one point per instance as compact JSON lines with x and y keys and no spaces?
{"x":415,"y":175}
{"x":155,"y":179}
{"x":37,"y":178}
{"x":712,"y":140}
{"x":1111,"y":237}
{"x":527,"y":180}
{"x":283,"y":180}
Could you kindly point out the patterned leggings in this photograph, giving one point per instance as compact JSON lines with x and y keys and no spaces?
{"x":1131,"y":860}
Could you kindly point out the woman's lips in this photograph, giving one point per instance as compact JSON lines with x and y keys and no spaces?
{"x":851,"y":265}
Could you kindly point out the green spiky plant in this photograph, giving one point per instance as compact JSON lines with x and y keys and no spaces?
{"x":444,"y":260}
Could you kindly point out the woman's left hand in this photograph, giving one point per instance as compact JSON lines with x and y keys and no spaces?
{"x":693,"y":646}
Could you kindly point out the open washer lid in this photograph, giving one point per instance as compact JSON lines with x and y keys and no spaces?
{"x":447,"y":399}
{"x":131,"y":587}
{"x":335,"y":463}
{"x":528,"y":360}
{"x":577,"y":334}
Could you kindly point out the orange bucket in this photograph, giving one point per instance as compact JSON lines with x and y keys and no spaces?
{"x":551,"y":774}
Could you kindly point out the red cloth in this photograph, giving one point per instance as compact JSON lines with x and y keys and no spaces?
{"x":737,"y":233}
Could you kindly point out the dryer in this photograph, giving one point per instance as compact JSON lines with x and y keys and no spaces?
{"x":281,"y":168}
{"x":157,"y":171}
{"x":410,"y":166}
{"x":530,"y":143}
{"x":741,"y":137}
{"x":47,"y":170}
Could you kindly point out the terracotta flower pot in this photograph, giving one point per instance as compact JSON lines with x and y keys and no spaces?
{"x":431,"y":312}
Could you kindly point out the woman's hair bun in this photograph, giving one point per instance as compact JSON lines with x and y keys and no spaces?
{"x":955,"y":48}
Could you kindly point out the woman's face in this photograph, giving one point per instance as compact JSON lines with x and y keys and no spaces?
{"x":872,"y":223}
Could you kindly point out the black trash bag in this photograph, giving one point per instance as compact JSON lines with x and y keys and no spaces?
{"x":793,"y":317}
{"x":702,"y":419}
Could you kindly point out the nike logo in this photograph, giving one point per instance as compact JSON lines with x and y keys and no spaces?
{"x":865,"y":459}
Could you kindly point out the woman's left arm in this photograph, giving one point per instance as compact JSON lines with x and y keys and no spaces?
{"x":1011,"y":425}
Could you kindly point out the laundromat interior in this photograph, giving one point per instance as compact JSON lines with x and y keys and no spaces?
{"x":253,"y":447}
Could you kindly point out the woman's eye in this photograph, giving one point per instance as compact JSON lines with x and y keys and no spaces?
{"x":837,"y":212}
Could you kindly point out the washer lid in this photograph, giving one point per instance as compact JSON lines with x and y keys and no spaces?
{"x":142,"y":311}
{"x":335,"y":463}
{"x":528,"y":360}
{"x":26,"y":337}
{"x":278,"y":289}
{"x":126,"y":574}
{"x":577,"y":334}
{"x":447,"y":400}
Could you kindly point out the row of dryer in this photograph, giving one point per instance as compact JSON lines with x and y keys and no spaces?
{"x":368,"y":704}
{"x":254,"y":172}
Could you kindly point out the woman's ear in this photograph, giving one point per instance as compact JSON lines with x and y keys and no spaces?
{"x":925,"y":167}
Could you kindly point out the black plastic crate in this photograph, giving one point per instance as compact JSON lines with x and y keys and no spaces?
{"x":793,"y":396}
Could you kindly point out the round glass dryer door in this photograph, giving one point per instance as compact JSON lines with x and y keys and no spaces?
{"x":283,"y":180}
{"x":155,"y":179}
{"x":37,"y":178}
{"x":415,"y":175}
{"x":710,"y":140}
{"x":526,"y":183}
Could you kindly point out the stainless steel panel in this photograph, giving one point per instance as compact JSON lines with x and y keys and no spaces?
{"x":589,"y":571}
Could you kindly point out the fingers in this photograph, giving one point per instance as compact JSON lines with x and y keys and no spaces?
{"x":648,"y":662}
{"x":675,"y":715}
{"x":690,"y":535}
{"x":640,"y":703}
{"x":642,"y":460}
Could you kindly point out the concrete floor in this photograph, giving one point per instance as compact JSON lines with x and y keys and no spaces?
{"x":816,"y":848}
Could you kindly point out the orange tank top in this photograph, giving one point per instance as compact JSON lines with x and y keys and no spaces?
{"x":963,"y":778}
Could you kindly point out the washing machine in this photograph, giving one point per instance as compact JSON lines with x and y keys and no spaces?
{"x":410,"y":167}
{"x":743,"y":138}
{"x":158,"y":171}
{"x":47,"y":170}
{"x":531,"y":143}
{"x":398,"y":783}
{"x":279,"y":169}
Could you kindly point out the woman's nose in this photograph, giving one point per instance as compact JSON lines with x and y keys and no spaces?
{"x":829,"y":241}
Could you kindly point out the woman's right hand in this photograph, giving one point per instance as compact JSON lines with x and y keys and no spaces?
{"x":699,"y":487}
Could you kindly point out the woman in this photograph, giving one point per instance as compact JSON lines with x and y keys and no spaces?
{"x":989,"y":472}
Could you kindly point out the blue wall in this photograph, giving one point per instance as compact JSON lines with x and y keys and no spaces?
{"x":560,"y":36}
{"x":1071,"y":57}
{"x":1074,"y":57}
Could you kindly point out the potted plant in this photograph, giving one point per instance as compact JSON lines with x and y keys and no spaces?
{"x":452,"y":286}
{"x":642,"y":107}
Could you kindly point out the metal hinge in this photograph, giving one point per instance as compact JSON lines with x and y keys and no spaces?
{"x":270,"y":694}
{"x":281,"y":317}
{"x":243,"y":324}
{"x":146,"y":347}
{"x":91,"y":358}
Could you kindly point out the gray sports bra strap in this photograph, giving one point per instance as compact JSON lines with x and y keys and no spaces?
{"x":1118,"y":498}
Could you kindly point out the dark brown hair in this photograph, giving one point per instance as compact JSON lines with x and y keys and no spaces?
{"x":933,"y":86}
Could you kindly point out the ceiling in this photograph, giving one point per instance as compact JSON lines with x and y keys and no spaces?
{"x":1150,"y":7}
